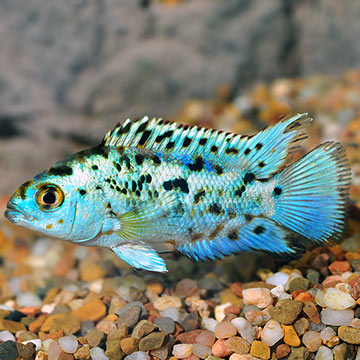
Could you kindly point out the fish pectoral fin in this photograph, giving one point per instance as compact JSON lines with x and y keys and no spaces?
{"x":141,"y":256}
{"x":149,"y":220}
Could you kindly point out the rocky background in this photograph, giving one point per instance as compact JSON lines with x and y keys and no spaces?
{"x":71,"y":69}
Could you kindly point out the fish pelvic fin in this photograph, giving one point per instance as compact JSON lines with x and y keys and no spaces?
{"x":312,"y":194}
{"x":262,"y":154}
{"x":141,"y":256}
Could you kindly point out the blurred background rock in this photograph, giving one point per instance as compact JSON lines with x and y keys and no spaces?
{"x":71,"y":69}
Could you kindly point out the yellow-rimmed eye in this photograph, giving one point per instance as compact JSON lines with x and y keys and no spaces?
{"x":49,"y":197}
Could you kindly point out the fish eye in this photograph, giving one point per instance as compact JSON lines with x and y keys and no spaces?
{"x":49,"y":197}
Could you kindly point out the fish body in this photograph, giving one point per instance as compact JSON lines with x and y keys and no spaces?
{"x":153,"y":186}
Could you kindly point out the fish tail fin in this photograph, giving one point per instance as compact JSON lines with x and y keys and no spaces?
{"x":311,"y":195}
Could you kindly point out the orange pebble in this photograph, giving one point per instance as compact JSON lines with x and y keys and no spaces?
{"x":290,"y":336}
{"x":305,"y":296}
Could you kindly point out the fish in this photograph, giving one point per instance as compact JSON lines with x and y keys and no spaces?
{"x":154,"y":186}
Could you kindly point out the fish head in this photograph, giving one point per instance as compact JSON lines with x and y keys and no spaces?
{"x":58,"y":205}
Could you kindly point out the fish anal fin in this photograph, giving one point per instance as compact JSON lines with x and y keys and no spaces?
{"x":141,"y":256}
{"x":260,"y":234}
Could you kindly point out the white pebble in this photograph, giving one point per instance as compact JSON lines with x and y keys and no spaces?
{"x":6,"y":335}
{"x":36,"y":342}
{"x":338,"y":300}
{"x":337,"y":317}
{"x":220,"y":311}
{"x":285,"y":296}
{"x":46,"y":344}
{"x":277,"y":291}
{"x":48,"y":308}
{"x":272,"y":333}
{"x":209,"y":324}
{"x":97,"y":353}
{"x":326,"y":334}
{"x":170,"y":312}
{"x":312,"y":340}
{"x":355,"y":323}
{"x":244,"y":328}
{"x":324,"y":353}
{"x":138,"y":355}
{"x":28,"y":299}
{"x":68,"y":343}
{"x":182,"y":351}
{"x":279,"y":278}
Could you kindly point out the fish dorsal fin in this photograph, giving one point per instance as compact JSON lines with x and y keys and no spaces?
{"x":262,"y":154}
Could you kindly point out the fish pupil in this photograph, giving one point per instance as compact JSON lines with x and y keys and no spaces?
{"x":49,"y":197}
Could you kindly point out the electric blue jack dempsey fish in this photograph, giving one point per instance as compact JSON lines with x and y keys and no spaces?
{"x":154,"y":186}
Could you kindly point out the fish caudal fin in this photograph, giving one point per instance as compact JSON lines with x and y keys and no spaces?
{"x":311,"y":195}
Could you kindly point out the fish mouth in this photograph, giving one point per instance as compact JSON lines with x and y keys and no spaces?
{"x":15,"y":214}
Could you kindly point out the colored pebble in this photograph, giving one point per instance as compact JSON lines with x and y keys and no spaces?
{"x":202,"y":351}
{"x":238,"y":345}
{"x":206,"y":338}
{"x":282,"y":350}
{"x":349,"y":335}
{"x":166,"y":301}
{"x":260,"y":297}
{"x":224,"y":330}
{"x":338,"y":300}
{"x":260,"y":350}
{"x":286,"y":311}
{"x":220,"y":349}
{"x":291,"y":338}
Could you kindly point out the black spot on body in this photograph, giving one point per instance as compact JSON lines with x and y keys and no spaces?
{"x":198,"y":196}
{"x":118,"y":188}
{"x":233,"y":235}
{"x":182,"y":184}
{"x":168,"y":185}
{"x":247,"y":151}
{"x":144,"y":137}
{"x":148,"y":178}
{"x":249,"y":177}
{"x":95,"y":167}
{"x":137,"y":193}
{"x":277,"y":190}
{"x":139,"y":158}
{"x":62,"y":170}
{"x":258,"y":146}
{"x":214,"y":149}
{"x":202,"y":141}
{"x":216,"y":231}
{"x":133,"y":185}
{"x":198,"y":165}
{"x":259,"y":230}
{"x":98,"y":188}
{"x":219,"y":170}
{"x":186,"y":142}
{"x":127,"y":161}
{"x":126,"y":128}
{"x":139,"y":184}
{"x":156,"y":160}
{"x":82,"y":192}
{"x":142,"y":179}
{"x":248,"y":217}
{"x":124,"y":191}
{"x":261,"y":164}
{"x":118,"y":166}
{"x":101,"y":151}
{"x":215,"y":209}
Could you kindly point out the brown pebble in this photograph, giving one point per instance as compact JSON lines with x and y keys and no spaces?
{"x":36,"y":325}
{"x":83,"y":353}
{"x":236,"y":288}
{"x":220,"y":349}
{"x":26,"y":352}
{"x":143,"y":328}
{"x":206,"y":338}
{"x":129,"y":345}
{"x":286,"y":311}
{"x":191,"y":321}
{"x":282,"y":351}
{"x":153,"y":341}
{"x":349,"y":334}
{"x":65,"y":322}
{"x":185,"y":287}
{"x":260,"y":350}
{"x":93,"y":310}
{"x":238,"y":345}
{"x":90,"y":272}
{"x":311,"y":311}
{"x":93,"y":337}
{"x":189,"y":337}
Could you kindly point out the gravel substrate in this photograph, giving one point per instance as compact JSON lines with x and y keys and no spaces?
{"x":60,"y":301}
